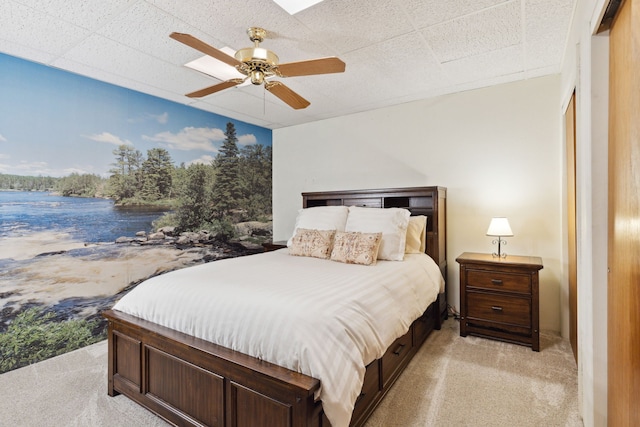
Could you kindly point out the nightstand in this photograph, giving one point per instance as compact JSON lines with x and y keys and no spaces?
{"x":499,"y":298}
{"x":274,"y":246}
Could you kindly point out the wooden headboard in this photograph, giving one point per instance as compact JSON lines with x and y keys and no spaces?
{"x":428,"y":201}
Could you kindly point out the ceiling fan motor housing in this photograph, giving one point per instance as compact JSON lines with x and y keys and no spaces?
{"x":257,"y":63}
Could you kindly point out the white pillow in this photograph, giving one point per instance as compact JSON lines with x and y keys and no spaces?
{"x":416,"y":235}
{"x":321,"y":218}
{"x":391,"y":222}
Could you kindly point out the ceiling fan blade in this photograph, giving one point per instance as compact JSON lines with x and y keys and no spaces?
{"x":287,"y":95}
{"x":312,"y":66}
{"x":215,"y":88}
{"x":197,"y":44}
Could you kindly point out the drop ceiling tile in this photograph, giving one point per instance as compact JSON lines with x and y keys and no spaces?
{"x":105,"y":54}
{"x":546,"y":31}
{"x":146,"y":29}
{"x":490,"y":29}
{"x":223,"y":111}
{"x":118,"y":80}
{"x":425,"y":13}
{"x":355,"y":24}
{"x":500,"y":62}
{"x":384,"y":70}
{"x":89,"y":14}
{"x":32,"y":28}
{"x":225,"y":20}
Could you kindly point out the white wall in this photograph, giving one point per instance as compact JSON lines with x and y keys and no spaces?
{"x":498,"y":151}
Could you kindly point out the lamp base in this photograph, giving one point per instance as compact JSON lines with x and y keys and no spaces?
{"x":500,"y":242}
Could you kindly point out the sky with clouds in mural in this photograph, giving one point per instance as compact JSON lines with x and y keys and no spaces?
{"x":54,"y":123}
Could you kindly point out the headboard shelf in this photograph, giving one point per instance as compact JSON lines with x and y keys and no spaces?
{"x":428,"y":201}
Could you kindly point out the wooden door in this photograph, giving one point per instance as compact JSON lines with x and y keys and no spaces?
{"x":570,"y":131}
{"x":624,"y":219}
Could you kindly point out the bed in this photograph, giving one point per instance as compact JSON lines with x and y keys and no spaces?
{"x":174,"y":369}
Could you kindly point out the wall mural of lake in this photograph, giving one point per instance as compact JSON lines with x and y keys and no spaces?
{"x":102,"y":187}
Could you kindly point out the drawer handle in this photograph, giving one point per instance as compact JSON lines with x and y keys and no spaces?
{"x":496,"y":281}
{"x":362,"y":395}
{"x":399,"y":350}
{"x":496,"y":308}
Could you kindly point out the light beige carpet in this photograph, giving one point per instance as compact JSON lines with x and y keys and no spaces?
{"x":452,"y":381}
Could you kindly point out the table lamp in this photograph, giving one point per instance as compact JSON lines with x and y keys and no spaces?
{"x":499,"y":227}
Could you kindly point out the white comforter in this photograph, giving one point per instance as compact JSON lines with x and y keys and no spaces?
{"x":318,"y":317}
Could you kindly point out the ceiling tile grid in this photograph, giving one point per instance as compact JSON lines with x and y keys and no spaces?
{"x":395,"y":52}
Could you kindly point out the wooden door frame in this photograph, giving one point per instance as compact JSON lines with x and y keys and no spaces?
{"x":572,"y":258}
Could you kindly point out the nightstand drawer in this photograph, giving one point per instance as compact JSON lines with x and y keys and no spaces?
{"x":499,"y":281}
{"x":499,"y":308}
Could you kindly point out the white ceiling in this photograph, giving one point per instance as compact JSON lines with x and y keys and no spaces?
{"x":395,"y":51}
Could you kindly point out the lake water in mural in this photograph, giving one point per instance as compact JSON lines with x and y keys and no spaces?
{"x":89,"y":220}
{"x":111,"y":149}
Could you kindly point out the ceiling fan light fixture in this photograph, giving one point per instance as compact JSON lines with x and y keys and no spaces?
{"x":257,"y":77}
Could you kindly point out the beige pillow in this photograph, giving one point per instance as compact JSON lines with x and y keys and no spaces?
{"x":312,"y":243}
{"x":356,"y":248}
{"x":416,"y":235}
{"x":321,"y":218}
{"x":391,"y":222}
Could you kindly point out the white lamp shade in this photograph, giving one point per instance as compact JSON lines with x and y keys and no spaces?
{"x":499,"y":227}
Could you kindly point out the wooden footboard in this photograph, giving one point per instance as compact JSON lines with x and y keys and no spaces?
{"x":192,"y":382}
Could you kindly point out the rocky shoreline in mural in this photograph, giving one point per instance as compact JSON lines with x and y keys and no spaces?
{"x":52,"y":295}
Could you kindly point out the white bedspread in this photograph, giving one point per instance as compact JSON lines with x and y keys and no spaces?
{"x":318,"y":317}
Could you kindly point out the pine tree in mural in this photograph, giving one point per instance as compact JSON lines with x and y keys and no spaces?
{"x":194,"y":208}
{"x":226,"y":193}
{"x":255,"y":182}
{"x":124,"y":181}
{"x":156,"y":174}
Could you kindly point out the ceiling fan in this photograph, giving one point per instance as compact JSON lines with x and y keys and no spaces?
{"x":258,"y":64}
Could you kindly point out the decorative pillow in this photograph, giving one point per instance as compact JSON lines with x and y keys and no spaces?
{"x":321,"y":218}
{"x":312,"y":243}
{"x":356,"y":248}
{"x":392,"y":222}
{"x":416,"y":235}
